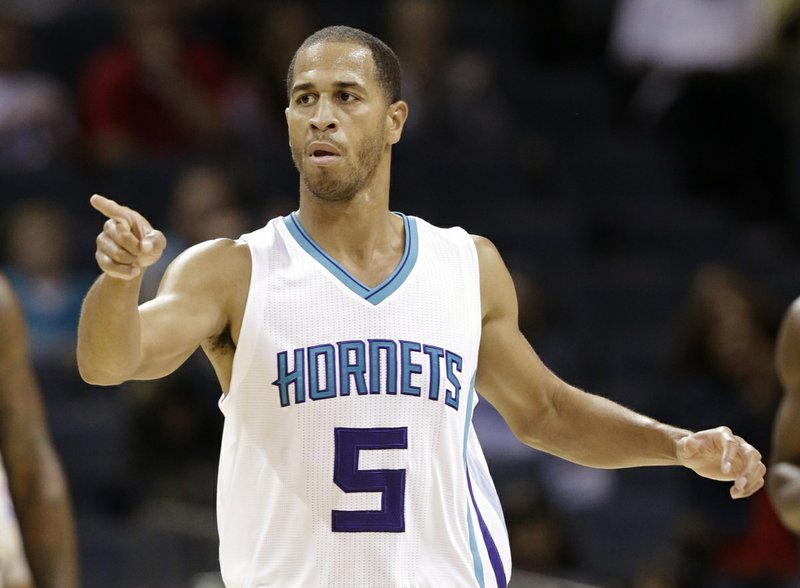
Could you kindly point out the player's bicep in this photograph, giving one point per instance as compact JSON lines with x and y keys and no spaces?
{"x":188,"y":309}
{"x":510,"y":374}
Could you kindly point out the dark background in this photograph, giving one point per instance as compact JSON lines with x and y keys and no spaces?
{"x":634,"y":165}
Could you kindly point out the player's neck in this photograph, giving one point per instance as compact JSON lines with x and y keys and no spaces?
{"x":361,"y":234}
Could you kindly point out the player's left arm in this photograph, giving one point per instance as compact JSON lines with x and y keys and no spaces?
{"x":784,"y":475}
{"x":548,"y":414}
{"x":36,"y":482}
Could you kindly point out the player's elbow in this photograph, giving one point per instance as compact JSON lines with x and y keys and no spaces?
{"x":97,"y":376}
{"x":537,"y":425}
{"x":529,"y":427}
{"x":102,"y":367}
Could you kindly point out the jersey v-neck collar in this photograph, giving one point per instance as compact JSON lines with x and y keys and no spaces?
{"x":383,"y":290}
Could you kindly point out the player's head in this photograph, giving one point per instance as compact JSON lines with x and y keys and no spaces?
{"x":344,"y":112}
{"x":387,"y":66}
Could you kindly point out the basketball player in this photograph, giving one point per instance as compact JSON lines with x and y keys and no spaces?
{"x":784,"y":476}
{"x":36,"y":521}
{"x":349,"y":342}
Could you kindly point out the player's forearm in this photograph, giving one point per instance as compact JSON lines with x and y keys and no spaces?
{"x":109,"y":334}
{"x":783,"y":482}
{"x":596,"y":432}
{"x":47,"y":524}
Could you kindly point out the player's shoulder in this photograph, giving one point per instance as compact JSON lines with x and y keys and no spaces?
{"x":6,"y":294}
{"x":790,"y":324}
{"x":12,"y":320}
{"x":217,"y":262}
{"x":489,"y":257}
{"x":9,"y":302}
{"x":215,"y":251}
{"x":793,"y":313}
{"x":484,"y":245}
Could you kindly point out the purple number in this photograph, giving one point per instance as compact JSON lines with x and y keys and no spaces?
{"x":390,"y":483}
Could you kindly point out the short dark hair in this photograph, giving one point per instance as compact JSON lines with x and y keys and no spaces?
{"x":387,"y":66}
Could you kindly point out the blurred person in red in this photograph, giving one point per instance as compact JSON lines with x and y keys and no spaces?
{"x":41,"y":551}
{"x":156,"y":90}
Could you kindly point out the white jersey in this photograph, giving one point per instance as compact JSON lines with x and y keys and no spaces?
{"x":14,"y":570}
{"x":348,"y":454}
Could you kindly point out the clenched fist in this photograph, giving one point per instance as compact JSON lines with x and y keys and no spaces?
{"x":128,"y":243}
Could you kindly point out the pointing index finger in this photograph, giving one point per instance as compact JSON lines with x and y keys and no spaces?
{"x":108,"y":207}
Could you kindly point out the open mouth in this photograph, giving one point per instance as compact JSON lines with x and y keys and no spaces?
{"x":323,"y":156}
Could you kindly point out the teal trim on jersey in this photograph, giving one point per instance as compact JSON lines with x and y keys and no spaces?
{"x":484,"y":482}
{"x":473,"y":543}
{"x":383,"y":290}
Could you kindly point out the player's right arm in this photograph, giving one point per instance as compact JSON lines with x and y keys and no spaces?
{"x":119,"y":340}
{"x":783,"y":479}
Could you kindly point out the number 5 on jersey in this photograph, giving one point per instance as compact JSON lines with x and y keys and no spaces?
{"x":390,"y":483}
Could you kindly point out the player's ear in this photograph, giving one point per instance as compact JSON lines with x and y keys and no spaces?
{"x":396,"y":117}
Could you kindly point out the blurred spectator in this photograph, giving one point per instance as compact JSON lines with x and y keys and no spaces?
{"x":727,"y":333}
{"x":175,"y":440}
{"x":723,"y":361}
{"x":420,"y":32}
{"x":687,"y":36}
{"x":706,"y":75}
{"x":539,"y":537}
{"x":37,"y":122}
{"x":270,"y":33}
{"x":475,"y":109}
{"x":655,"y":578}
{"x":38,"y":263}
{"x":687,"y":563}
{"x":204,"y":205}
{"x":451,"y":89}
{"x":282,"y":27}
{"x":461,"y":134}
{"x":563,"y":33}
{"x":45,"y":11}
{"x":156,"y":90}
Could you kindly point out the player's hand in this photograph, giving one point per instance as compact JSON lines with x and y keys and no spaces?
{"x":720,"y":455}
{"x":128,"y":243}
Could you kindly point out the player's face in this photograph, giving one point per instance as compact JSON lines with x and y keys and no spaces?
{"x":339,"y":126}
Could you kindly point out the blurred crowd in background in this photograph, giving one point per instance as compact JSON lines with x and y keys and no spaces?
{"x":635,"y":161}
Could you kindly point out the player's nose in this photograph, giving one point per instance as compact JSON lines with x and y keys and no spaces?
{"x":323,"y":117}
